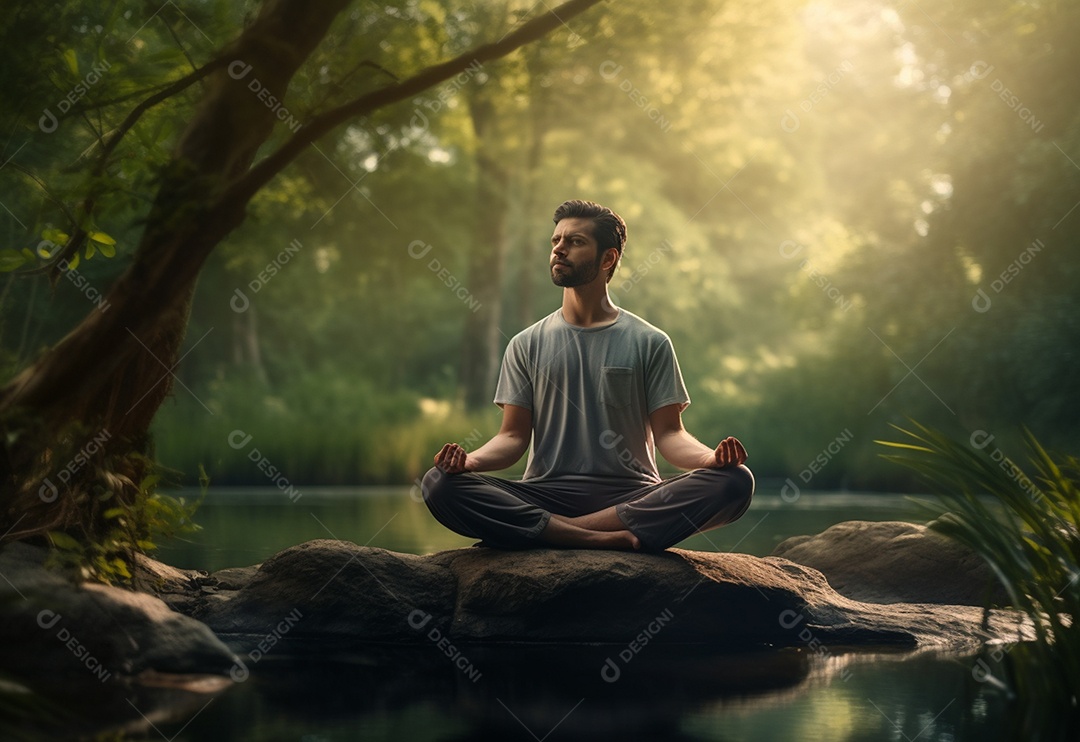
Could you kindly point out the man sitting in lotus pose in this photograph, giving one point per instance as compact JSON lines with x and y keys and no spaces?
{"x":597,"y":390}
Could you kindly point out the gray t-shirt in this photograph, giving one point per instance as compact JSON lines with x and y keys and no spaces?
{"x":591,"y":390}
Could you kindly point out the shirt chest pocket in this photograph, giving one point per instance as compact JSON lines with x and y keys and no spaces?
{"x":616,"y":386}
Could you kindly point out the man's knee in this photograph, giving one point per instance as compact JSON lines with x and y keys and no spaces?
{"x":434,"y":486}
{"x":735,"y":487}
{"x":742,"y":489}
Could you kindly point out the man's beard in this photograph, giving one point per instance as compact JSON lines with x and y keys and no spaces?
{"x":576,"y":275}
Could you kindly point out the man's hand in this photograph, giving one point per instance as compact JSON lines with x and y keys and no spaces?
{"x":451,"y":459}
{"x":730,"y":452}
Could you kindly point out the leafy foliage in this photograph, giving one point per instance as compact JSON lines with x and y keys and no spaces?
{"x":909,"y":184}
{"x":1028,"y":531}
{"x":136,"y":526}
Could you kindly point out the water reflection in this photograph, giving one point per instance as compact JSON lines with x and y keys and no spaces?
{"x":317,"y":692}
{"x":559,"y":693}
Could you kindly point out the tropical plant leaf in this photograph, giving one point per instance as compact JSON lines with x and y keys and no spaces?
{"x":62,"y":540}
{"x":11,"y":260}
{"x":1029,"y":535}
{"x":72,"y":61}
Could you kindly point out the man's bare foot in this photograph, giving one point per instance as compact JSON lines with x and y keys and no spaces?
{"x":629,"y":540}
{"x":560,"y":532}
{"x":601,"y":520}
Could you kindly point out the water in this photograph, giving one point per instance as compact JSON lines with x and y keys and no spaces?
{"x":306,"y":690}
{"x":558,"y":694}
{"x":243,"y":526}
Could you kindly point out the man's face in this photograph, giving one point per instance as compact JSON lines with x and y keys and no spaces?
{"x":575,"y":259}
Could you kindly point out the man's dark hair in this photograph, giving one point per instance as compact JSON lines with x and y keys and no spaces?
{"x":609,"y":229}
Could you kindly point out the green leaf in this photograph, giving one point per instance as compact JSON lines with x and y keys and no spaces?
{"x":63,"y":541}
{"x":10,"y":260}
{"x":72,"y":61}
{"x":120,"y":567}
{"x":893,"y":444}
{"x":113,"y":513}
{"x":55,"y":236}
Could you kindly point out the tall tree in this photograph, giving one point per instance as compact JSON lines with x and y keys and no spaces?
{"x":111,"y":373}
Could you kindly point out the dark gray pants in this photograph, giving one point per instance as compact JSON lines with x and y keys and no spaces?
{"x":512,"y":514}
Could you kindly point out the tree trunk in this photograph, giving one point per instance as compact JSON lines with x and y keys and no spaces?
{"x":482,"y":342}
{"x":532,"y":237}
{"x":247,"y":353}
{"x":79,"y":414}
{"x":106,"y":379}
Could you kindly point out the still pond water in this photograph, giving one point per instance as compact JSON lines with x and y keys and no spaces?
{"x":315,"y":692}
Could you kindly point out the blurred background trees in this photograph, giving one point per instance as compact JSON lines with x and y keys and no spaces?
{"x":816,"y":193}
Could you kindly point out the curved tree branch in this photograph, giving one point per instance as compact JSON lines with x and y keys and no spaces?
{"x":79,"y":234}
{"x":105,"y":103}
{"x":113,"y":370}
{"x":259,"y":175}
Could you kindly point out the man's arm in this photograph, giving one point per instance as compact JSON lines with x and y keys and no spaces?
{"x":685,"y":451}
{"x":502,"y":451}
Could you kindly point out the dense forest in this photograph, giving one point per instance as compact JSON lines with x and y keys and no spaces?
{"x":846,"y":214}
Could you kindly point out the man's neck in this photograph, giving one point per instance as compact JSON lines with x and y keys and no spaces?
{"x":588,"y":306}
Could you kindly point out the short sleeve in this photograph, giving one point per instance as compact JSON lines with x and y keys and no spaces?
{"x":515,"y":382}
{"x":663,"y":379}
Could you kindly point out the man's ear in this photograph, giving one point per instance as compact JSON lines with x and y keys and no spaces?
{"x":611,"y":258}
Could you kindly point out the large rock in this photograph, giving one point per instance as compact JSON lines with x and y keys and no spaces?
{"x":329,"y":588}
{"x":49,"y":626}
{"x":896,"y":562}
{"x":459,"y":614}
{"x":337,"y":590}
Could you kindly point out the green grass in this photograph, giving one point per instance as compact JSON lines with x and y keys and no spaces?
{"x":323,"y":430}
{"x":1027,"y":528}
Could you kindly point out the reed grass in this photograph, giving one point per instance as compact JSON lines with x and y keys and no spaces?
{"x":1027,"y":528}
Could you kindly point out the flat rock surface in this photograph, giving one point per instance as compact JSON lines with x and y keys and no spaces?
{"x":896,"y":562}
{"x":338,"y":590}
{"x":332,"y":588}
